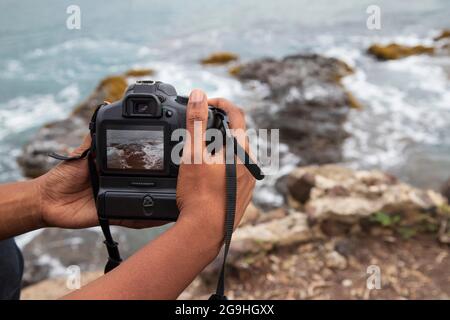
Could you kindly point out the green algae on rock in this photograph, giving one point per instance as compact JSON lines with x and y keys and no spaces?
{"x":445,"y":34}
{"x":395,"y":51}
{"x":218,"y":58}
{"x":139,"y":72}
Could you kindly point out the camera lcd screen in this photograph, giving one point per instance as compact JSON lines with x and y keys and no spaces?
{"x":135,"y":149}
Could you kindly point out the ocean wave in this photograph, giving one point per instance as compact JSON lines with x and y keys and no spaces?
{"x":24,"y":112}
{"x":410,"y":108}
{"x":81,"y":44}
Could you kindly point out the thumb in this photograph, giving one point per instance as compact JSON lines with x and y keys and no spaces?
{"x":196,"y":122}
{"x":86,"y":144}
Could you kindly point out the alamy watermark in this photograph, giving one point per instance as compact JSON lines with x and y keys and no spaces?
{"x":207,"y":147}
{"x":73,"y":280}
{"x":373,"y":21}
{"x":73,"y":21}
{"x":374,"y":279}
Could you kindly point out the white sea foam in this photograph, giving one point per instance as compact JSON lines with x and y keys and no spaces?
{"x":82,"y":44}
{"x":395,"y":117}
{"x":22,"y":113}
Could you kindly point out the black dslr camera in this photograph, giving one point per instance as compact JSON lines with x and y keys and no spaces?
{"x":137,"y":179}
{"x":130,"y":161}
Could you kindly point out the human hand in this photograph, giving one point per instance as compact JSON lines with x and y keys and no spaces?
{"x":201,"y":187}
{"x":65,"y":196}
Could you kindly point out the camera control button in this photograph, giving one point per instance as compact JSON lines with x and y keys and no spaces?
{"x":169,"y":113}
{"x":182,"y":99}
{"x":148,"y":204}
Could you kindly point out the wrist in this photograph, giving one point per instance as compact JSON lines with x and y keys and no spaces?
{"x":203,"y":236}
{"x":19,"y":208}
{"x":34,"y":195}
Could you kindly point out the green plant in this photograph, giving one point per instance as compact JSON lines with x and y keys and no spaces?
{"x":407,"y":232}
{"x":385,"y":219}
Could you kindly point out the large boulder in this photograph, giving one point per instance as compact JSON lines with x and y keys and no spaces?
{"x":345,"y":196}
{"x":305,"y":100}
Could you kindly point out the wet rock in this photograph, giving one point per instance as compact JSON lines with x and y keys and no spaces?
{"x":219,"y":58}
{"x":395,"y":51}
{"x":139,"y":73}
{"x":64,"y":136}
{"x":234,"y":70}
{"x":53,"y":250}
{"x":305,"y":100}
{"x":445,"y":34}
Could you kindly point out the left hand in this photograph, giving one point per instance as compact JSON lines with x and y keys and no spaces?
{"x":66,"y":199}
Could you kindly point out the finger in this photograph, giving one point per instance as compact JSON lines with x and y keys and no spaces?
{"x":196,"y":121}
{"x":235,"y":114}
{"x":236,"y":117}
{"x":86,"y":144}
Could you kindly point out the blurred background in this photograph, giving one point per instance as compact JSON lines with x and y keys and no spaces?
{"x":358,"y":97}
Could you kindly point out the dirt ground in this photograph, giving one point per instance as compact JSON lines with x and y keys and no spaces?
{"x":335,"y":268}
{"x":338,"y":269}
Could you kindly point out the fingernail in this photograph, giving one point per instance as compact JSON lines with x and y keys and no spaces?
{"x":196,"y":96}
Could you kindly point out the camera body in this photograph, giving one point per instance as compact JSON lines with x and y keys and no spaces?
{"x":137,"y":178}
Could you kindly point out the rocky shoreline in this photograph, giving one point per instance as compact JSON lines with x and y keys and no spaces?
{"x":338,"y":223}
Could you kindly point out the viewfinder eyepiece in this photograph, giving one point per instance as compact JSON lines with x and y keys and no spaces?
{"x":139,"y":105}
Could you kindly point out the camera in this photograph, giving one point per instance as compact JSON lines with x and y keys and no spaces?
{"x":133,"y":147}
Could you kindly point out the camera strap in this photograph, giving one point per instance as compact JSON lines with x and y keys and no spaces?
{"x":231,"y":147}
{"x":230,"y":208}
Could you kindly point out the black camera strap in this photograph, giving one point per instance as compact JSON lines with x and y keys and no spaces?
{"x":231,"y":147}
{"x":230,"y":208}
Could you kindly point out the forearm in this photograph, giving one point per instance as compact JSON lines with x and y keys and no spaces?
{"x":19,"y":208}
{"x":160,"y":270}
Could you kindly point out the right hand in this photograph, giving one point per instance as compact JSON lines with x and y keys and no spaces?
{"x":201,"y":187}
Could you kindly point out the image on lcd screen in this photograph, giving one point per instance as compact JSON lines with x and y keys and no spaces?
{"x":135,"y":149}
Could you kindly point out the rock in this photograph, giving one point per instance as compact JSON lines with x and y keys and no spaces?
{"x":395,"y":51}
{"x":53,"y":250}
{"x":445,"y":34}
{"x":305,"y":100}
{"x":343,"y":195}
{"x":219,"y":58}
{"x":301,"y":188}
{"x":139,"y":73}
{"x":334,"y":260}
{"x":353,"y":102}
{"x":234,"y":70}
{"x":272,"y":215}
{"x":445,"y":189}
{"x":251,"y":215}
{"x":65,"y":135}
{"x":289,"y":230}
